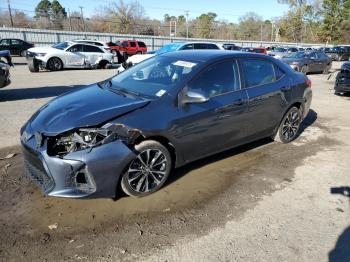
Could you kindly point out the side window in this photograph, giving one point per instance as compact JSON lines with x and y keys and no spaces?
{"x":92,"y":49}
{"x":132,"y":44}
{"x":16,"y":42}
{"x":187,"y":47}
{"x":141,"y":44}
{"x":125,"y":44}
{"x":217,"y":79}
{"x":212,"y":46}
{"x":258,"y":72}
{"x":278,"y":72}
{"x":5,"y":42}
{"x":200,"y":46}
{"x":76,"y":48}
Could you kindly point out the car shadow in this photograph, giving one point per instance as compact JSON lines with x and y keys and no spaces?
{"x":341,"y":251}
{"x":35,"y":93}
{"x":308,"y":121}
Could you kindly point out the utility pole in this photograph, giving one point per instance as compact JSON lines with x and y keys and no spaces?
{"x":261,"y":34}
{"x":10,"y":13}
{"x":186,"y":13}
{"x":82,"y":17}
{"x":70,"y":20}
{"x":271,"y":31}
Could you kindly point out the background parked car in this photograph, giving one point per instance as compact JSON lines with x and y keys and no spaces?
{"x":5,"y":63}
{"x":15,"y":46}
{"x":342,"y":83}
{"x":278,"y":52}
{"x":309,"y":62}
{"x":171,"y":48}
{"x":258,"y":50}
{"x":68,"y":55}
{"x":231,"y":47}
{"x":133,"y":47}
{"x":339,"y":53}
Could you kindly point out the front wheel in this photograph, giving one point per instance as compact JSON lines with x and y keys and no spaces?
{"x":289,"y":127}
{"x":54,"y":64}
{"x":148,"y":172}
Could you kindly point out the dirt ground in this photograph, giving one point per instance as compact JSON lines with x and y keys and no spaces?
{"x":261,"y":202}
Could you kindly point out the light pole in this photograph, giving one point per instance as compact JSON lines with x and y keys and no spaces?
{"x":187,"y":12}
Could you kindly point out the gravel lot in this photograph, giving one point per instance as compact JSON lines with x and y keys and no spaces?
{"x":261,"y":202}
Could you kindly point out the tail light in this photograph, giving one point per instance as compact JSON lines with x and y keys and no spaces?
{"x":308,"y":82}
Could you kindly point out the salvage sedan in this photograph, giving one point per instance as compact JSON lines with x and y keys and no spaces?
{"x":131,"y":131}
{"x":342,"y":82}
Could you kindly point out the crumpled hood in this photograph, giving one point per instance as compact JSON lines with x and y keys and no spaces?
{"x":89,"y":106}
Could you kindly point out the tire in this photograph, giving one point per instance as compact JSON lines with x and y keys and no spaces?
{"x":304,"y":69}
{"x":114,"y":53}
{"x":289,"y":127}
{"x":33,"y":67}
{"x":145,"y":177}
{"x":54,"y":64}
{"x":339,"y":58}
{"x":23,"y":53}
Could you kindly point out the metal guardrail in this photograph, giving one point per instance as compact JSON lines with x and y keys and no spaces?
{"x":49,"y":37}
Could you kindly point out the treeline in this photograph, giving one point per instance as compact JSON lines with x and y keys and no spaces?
{"x":309,"y":21}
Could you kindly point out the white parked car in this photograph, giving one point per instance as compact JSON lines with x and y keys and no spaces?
{"x":68,"y":55}
{"x":171,"y":47}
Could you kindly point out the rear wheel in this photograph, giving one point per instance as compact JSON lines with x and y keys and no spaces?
{"x":289,"y":127}
{"x":148,"y":172}
{"x":23,"y":53}
{"x":114,"y":52}
{"x":54,"y":64}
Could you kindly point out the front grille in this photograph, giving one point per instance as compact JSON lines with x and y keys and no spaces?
{"x":35,"y":169}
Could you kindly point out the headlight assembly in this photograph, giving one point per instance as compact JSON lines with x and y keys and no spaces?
{"x":40,"y":54}
{"x":85,"y":138}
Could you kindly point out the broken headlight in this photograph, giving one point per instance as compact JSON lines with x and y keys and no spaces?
{"x":85,"y":138}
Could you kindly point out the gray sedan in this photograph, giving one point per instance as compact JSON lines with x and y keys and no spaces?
{"x":309,"y":62}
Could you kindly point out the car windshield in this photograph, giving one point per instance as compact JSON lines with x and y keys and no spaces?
{"x":280,"y":49}
{"x":154,"y":77}
{"x":297,"y":55}
{"x":168,"y":48}
{"x":61,"y":46}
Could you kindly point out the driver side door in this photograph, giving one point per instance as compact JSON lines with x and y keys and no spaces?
{"x":74,"y":56}
{"x":217,"y":124}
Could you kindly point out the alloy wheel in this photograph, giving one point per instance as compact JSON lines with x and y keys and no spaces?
{"x":291,"y":125}
{"x":147,"y":171}
{"x":55,"y":64}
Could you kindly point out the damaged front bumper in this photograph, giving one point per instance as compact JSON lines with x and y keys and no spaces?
{"x":342,"y":83}
{"x":88,"y":173}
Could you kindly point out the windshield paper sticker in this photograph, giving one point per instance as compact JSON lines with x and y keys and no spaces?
{"x":160,"y":93}
{"x":184,"y":64}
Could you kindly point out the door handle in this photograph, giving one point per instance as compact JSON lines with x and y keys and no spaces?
{"x":286,"y":88}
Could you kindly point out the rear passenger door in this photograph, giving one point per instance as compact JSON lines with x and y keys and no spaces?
{"x":92,"y":54}
{"x":268,"y":91}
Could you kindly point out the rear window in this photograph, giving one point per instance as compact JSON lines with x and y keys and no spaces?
{"x":260,"y":72}
{"x":212,"y":46}
{"x":141,"y":44}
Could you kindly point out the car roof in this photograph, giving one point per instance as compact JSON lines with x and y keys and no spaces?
{"x":207,"y":55}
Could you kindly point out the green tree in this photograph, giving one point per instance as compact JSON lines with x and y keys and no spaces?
{"x":43,"y":9}
{"x":57,"y":14}
{"x":335,"y":18}
{"x":205,"y":24}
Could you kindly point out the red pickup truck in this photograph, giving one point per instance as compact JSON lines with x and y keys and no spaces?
{"x":131,"y":47}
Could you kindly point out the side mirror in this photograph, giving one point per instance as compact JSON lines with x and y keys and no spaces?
{"x":194,"y":97}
